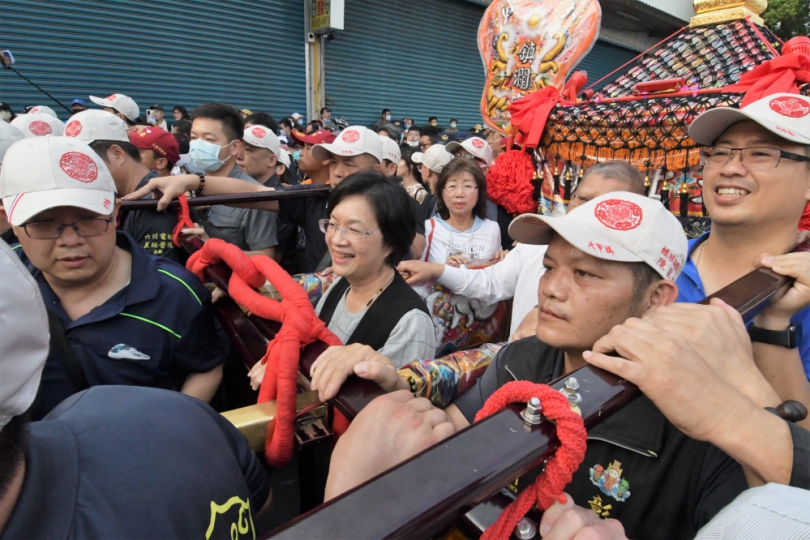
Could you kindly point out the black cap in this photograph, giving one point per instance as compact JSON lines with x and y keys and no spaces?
{"x":157,"y":107}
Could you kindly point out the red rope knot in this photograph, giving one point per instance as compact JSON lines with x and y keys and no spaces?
{"x":560,"y":468}
{"x":183,"y":220}
{"x":300,"y":326}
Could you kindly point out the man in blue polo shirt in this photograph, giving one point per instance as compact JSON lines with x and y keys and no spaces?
{"x":756,"y":182}
{"x":112,"y":461}
{"x":122,"y":316}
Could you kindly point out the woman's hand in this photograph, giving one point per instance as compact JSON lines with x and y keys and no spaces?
{"x":501,"y":254}
{"x":420,"y":271}
{"x":335,"y":364}
{"x":796,"y":298}
{"x":256,"y":375}
{"x":166,"y":188}
{"x":457,"y":260}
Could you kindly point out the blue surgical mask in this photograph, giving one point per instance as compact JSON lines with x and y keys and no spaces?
{"x":296,"y":155}
{"x":300,"y":122}
{"x":453,"y":125}
{"x":206,"y":154}
{"x":387,"y":117}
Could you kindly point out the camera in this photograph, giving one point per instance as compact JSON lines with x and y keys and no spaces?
{"x":6,"y":58}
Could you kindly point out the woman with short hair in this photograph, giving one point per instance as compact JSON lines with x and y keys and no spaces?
{"x":460,"y":233}
{"x":370,"y":228}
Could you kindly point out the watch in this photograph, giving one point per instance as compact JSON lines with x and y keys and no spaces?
{"x":789,"y":337}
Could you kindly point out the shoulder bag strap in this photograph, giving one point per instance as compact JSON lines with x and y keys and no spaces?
{"x":60,"y":347}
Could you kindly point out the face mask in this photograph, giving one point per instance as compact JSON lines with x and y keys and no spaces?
{"x":206,"y":154}
{"x":300,"y":122}
{"x":5,"y":115}
{"x":297,"y":155}
{"x":453,"y":125}
{"x":387,"y":117}
{"x":413,"y":143}
{"x":434,"y":123}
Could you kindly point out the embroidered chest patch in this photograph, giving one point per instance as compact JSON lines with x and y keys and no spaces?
{"x":610,"y":480}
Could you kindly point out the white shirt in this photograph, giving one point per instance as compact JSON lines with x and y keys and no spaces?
{"x":516,"y":276}
{"x":478,"y":243}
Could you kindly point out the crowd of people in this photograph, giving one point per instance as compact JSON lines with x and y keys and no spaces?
{"x":110,"y":349}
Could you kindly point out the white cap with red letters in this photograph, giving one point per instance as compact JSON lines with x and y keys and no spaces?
{"x":41,"y":173}
{"x":263,"y":137}
{"x":618,"y":226}
{"x":353,"y":141}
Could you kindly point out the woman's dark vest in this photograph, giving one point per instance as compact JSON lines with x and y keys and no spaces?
{"x":384,"y":314}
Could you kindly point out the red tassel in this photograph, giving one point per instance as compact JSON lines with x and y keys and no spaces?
{"x":509,"y":182}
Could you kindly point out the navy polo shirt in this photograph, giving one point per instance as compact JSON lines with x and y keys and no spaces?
{"x":690,"y":289}
{"x":154,"y":332}
{"x":124,"y":462}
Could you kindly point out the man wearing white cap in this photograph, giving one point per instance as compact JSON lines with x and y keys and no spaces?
{"x":356,"y":149}
{"x":107,"y":135}
{"x":87,"y":469}
{"x":126,"y":317}
{"x":431,"y":163}
{"x":602,"y":268}
{"x":39,"y":125}
{"x":756,"y":182}
{"x":391,"y":156}
{"x":124,"y":107}
{"x":260,"y":155}
{"x":473,"y":148}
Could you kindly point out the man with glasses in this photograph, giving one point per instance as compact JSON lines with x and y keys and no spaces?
{"x":756,"y":182}
{"x":118,"y":315}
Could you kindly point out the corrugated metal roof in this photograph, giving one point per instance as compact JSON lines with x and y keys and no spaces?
{"x":683,"y":9}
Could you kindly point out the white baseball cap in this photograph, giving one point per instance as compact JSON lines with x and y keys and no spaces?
{"x":96,"y":125}
{"x":263,"y":137}
{"x":434,"y":158}
{"x":391,"y":150}
{"x":39,"y":125}
{"x":284,"y":157}
{"x":121,"y":103}
{"x":44,"y":109}
{"x":617,"y":226}
{"x":24,"y":336}
{"x":353,"y":141}
{"x":787,"y":115}
{"x":40,"y":173}
{"x":295,"y":115}
{"x":476,"y":146}
{"x":8,"y":136}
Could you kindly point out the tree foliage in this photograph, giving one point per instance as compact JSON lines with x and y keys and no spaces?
{"x":788,"y":18}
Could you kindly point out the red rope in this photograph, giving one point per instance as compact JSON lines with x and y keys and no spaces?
{"x":183,"y":220}
{"x":300,"y":327}
{"x":560,"y":468}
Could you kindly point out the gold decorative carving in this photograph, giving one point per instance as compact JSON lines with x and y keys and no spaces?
{"x":720,"y":11}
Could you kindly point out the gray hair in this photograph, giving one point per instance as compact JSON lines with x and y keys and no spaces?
{"x":622,"y":171}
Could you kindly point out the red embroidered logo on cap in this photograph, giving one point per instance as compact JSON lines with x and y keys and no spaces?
{"x":107,"y":203}
{"x":73,"y":129}
{"x":350,"y":136}
{"x":40,"y":128}
{"x":112,"y":97}
{"x":34,"y":110}
{"x":258,"y":132}
{"x":478,"y":143}
{"x":792,"y":107}
{"x":79,"y":166}
{"x":618,"y":214}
